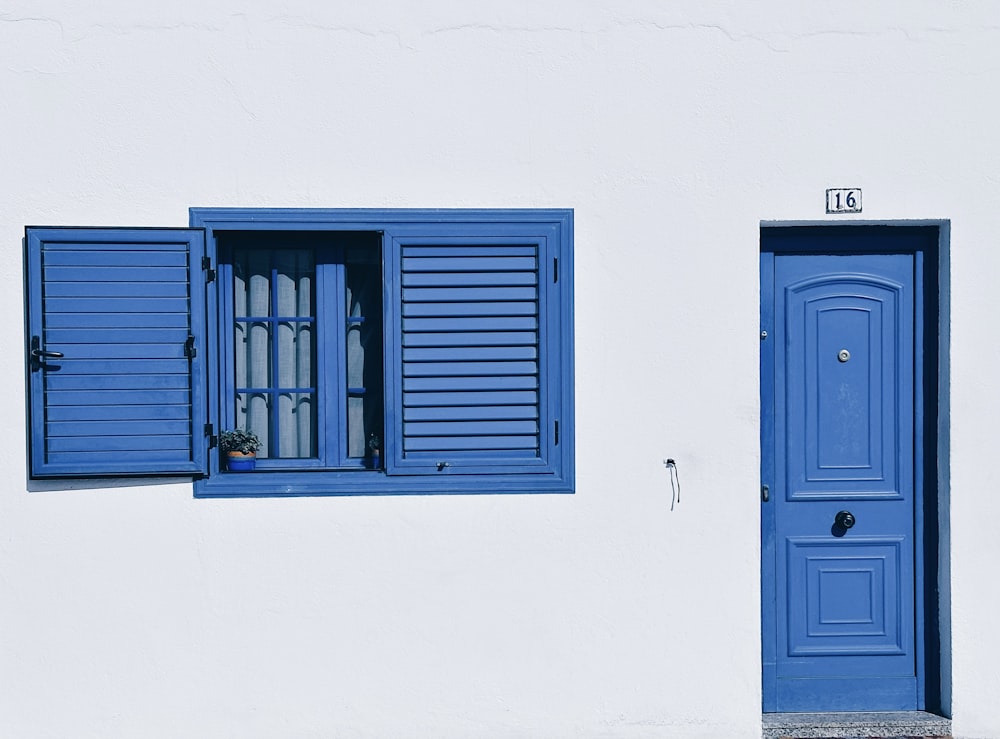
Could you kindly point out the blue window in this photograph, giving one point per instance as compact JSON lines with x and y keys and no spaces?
{"x":373,"y":351}
{"x":303,"y":337}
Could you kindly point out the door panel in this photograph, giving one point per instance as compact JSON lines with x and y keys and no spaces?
{"x":843,"y":435}
{"x":840,"y":378}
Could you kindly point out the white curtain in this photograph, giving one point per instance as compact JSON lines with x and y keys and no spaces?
{"x":275,"y":362}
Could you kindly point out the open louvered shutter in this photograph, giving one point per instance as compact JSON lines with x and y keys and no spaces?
{"x":475,"y":371}
{"x":116,"y":346}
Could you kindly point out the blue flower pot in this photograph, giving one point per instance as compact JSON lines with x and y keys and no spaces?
{"x":240,"y":462}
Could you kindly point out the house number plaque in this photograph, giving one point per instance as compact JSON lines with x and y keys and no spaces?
{"x":843,"y":200}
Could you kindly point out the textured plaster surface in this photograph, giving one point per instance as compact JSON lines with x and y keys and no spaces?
{"x":672,"y":129}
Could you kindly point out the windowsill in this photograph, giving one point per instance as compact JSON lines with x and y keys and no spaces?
{"x":290,"y":484}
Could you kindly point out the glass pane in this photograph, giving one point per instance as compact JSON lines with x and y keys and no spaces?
{"x":253,"y":412}
{"x":297,"y":425}
{"x":295,"y":355}
{"x":275,"y":354}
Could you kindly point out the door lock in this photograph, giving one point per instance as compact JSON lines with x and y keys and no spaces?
{"x":845,"y":520}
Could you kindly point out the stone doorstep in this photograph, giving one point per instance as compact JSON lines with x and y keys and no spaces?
{"x":870,"y":725}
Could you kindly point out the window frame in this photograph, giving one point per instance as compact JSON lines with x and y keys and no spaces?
{"x":330,"y":331}
{"x":552,"y":472}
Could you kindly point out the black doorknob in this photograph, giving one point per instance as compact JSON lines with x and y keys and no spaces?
{"x":845,"y":519}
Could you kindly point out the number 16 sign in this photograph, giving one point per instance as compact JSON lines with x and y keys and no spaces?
{"x":843,"y":200}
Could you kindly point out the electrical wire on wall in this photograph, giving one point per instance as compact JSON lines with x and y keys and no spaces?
{"x":675,"y":482}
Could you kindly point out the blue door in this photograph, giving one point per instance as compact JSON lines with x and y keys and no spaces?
{"x":840,"y":448}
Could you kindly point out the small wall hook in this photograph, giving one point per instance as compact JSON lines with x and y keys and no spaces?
{"x":675,"y":481}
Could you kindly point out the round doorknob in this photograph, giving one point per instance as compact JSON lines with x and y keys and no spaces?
{"x":845,"y":519}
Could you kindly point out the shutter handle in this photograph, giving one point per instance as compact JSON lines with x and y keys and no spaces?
{"x":38,"y":354}
{"x":46,"y":355}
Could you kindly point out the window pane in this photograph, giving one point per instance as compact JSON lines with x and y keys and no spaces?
{"x":252,"y":412}
{"x":275,"y":355}
{"x":297,"y":424}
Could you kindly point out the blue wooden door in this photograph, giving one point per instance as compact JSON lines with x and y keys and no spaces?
{"x":839,"y":449}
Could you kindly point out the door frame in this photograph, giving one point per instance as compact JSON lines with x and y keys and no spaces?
{"x":931,"y":540}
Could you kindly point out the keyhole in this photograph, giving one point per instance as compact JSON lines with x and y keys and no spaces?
{"x":843,"y":355}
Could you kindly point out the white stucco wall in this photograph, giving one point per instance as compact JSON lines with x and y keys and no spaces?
{"x":672,"y":129}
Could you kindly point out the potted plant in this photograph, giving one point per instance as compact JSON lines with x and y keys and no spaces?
{"x":239,"y":448}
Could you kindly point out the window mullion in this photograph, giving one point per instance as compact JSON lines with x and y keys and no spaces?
{"x":274,"y":380}
{"x":328,"y":431}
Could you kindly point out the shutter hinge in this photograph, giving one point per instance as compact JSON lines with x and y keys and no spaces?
{"x":555,"y":269}
{"x":206,"y":264}
{"x":190,"y":351}
{"x":210,"y":433}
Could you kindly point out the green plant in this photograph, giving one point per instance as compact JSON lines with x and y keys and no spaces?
{"x":239,"y":440}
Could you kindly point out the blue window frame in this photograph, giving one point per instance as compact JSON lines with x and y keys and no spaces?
{"x":301,"y":339}
{"x":441,"y":337}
